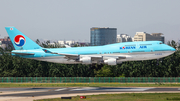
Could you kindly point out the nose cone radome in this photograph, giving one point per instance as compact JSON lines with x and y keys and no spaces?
{"x":172,"y":49}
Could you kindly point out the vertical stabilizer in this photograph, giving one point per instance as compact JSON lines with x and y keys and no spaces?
{"x":20,"y":41}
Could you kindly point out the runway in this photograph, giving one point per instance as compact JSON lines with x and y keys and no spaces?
{"x":45,"y":92}
{"x":55,"y":91}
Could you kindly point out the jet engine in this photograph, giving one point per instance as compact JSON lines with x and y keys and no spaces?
{"x":110,"y":61}
{"x":85,"y":60}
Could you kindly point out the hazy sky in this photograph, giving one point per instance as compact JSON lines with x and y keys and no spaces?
{"x":72,"y":19}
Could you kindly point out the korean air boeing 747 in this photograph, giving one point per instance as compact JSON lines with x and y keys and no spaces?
{"x":111,"y":54}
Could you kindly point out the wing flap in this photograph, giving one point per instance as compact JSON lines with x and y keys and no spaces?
{"x":121,"y":57}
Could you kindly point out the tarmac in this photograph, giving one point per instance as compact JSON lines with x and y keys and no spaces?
{"x":30,"y":94}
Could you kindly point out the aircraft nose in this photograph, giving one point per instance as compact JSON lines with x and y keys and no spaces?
{"x":173,"y":49}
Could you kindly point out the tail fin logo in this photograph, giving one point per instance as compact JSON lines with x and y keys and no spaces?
{"x":19,"y":40}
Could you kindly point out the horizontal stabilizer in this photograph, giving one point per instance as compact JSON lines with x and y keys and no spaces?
{"x":22,"y":53}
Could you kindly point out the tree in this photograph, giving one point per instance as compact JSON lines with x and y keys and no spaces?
{"x":172,"y":44}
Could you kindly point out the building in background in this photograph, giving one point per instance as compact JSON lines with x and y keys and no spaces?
{"x":6,"y":43}
{"x":119,"y":39}
{"x":143,"y":36}
{"x":124,"y":38}
{"x":132,"y":39}
{"x":73,"y":43}
{"x":103,"y":36}
{"x":61,"y":43}
{"x":69,"y":42}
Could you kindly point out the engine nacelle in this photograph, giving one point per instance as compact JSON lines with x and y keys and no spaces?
{"x":110,"y":61}
{"x":85,"y":60}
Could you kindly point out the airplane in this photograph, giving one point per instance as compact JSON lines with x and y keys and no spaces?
{"x":111,"y":54}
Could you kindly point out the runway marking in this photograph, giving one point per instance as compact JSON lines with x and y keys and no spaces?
{"x":178,"y":88}
{"x":112,"y":89}
{"x":139,"y":89}
{"x":82,"y":89}
{"x":60,"y":89}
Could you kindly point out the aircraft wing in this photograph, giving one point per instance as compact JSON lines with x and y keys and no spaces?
{"x":115,"y":57}
{"x":68,"y":56}
{"x":121,"y":57}
{"x":72,"y":56}
{"x":47,"y":51}
{"x":93,"y":57}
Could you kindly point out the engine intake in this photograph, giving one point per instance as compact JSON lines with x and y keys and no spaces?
{"x":85,"y":60}
{"x":110,"y":61}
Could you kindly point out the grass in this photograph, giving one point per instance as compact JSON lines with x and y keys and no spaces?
{"x":11,"y":85}
{"x":125,"y":97}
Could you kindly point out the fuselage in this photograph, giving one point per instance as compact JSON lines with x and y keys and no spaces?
{"x":111,"y":54}
{"x":133,"y":51}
